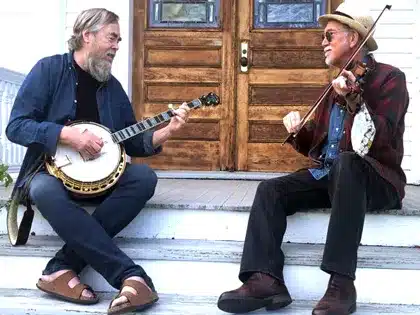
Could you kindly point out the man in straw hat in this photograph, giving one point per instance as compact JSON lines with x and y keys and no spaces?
{"x":349,"y":182}
{"x":78,"y":85}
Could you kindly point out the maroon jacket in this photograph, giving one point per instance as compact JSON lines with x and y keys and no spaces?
{"x":386,"y":97}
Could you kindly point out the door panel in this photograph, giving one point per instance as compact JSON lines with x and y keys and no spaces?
{"x":286,"y":71}
{"x":177,"y":59}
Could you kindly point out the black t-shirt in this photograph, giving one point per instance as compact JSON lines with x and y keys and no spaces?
{"x":87,"y":106}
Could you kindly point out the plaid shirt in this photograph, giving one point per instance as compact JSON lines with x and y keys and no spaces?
{"x":386,"y":97}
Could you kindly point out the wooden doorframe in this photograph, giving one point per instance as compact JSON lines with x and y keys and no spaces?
{"x":227,"y":123}
{"x":244,"y":25}
{"x":139,"y":15}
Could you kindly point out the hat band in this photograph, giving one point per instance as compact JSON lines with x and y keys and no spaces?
{"x":342,"y":14}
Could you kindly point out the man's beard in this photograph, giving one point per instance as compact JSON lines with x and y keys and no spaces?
{"x":98,"y":68}
{"x":328,"y":61}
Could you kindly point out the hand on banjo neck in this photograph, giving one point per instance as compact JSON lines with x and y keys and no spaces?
{"x":181,"y":117}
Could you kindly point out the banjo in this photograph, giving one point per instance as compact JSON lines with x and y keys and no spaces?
{"x":89,"y":178}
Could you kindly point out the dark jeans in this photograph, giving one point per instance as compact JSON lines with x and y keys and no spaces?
{"x":351,"y":189}
{"x":88,"y":238}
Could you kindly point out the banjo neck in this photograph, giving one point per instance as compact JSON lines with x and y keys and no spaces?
{"x":149,"y":123}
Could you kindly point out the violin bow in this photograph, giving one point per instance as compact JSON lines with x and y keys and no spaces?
{"x":329,"y":87}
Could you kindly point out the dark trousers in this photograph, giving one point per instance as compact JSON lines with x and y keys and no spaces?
{"x":88,"y":238}
{"x":351,"y":189}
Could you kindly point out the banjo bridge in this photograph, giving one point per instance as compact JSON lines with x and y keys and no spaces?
{"x":63,"y":161}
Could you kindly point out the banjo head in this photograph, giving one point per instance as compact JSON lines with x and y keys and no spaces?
{"x":71,"y":163}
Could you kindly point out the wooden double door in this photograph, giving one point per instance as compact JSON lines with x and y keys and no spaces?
{"x":259,"y":73}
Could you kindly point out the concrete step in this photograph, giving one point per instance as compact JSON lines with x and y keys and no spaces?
{"x":217,"y":192}
{"x":230,"y":195}
{"x":192,"y":267}
{"x":404,"y":258}
{"x":219,"y":210}
{"x":33,"y":302}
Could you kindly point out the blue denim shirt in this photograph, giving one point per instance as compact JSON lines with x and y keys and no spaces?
{"x":330,"y":150}
{"x":47,"y":100}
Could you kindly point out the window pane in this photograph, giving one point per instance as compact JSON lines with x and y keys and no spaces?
{"x":288,"y":13}
{"x":176,"y":12}
{"x":184,"y":13}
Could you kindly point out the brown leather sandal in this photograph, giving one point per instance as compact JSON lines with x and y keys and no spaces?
{"x":136,"y":302}
{"x":59,"y":288}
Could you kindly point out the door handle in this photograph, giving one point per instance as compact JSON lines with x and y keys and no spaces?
{"x":243,"y":61}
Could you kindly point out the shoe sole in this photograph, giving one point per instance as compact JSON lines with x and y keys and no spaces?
{"x":245,"y":305}
{"x":59,"y":296}
{"x":132,"y":308}
{"x":351,"y":310}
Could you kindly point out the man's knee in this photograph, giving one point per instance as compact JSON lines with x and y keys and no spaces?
{"x":266,"y":188}
{"x":143,"y":176}
{"x":43,"y":187}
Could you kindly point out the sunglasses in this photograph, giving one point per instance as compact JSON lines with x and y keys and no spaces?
{"x":329,"y":35}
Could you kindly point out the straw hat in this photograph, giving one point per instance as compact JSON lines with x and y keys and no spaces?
{"x":353,"y":17}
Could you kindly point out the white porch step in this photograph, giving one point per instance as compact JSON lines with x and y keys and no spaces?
{"x":197,"y":268}
{"x":219,"y":210}
{"x":33,"y":302}
{"x":403,"y":258}
{"x":189,"y":239}
{"x":308,"y":227}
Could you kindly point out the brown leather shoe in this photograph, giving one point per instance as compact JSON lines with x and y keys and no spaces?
{"x":260,"y":290}
{"x":339,"y":299}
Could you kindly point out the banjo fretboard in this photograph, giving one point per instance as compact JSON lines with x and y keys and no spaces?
{"x":148,"y":123}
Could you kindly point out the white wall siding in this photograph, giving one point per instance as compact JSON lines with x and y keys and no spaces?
{"x":31,"y":30}
{"x":397,"y":36}
{"x":414,"y":108}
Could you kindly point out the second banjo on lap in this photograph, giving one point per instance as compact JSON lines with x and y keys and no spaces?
{"x":93,"y":177}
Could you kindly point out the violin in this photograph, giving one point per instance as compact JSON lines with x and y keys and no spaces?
{"x":359,"y":70}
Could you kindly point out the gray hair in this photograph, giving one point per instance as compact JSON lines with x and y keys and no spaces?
{"x":364,"y":50}
{"x":91,"y":20}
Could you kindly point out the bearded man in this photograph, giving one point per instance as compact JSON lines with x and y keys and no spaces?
{"x":79,"y":86}
{"x":350,"y":181}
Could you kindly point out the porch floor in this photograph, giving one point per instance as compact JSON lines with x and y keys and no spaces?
{"x":228,"y":194}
